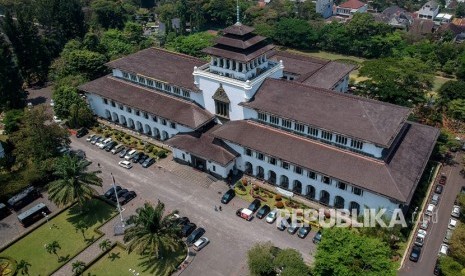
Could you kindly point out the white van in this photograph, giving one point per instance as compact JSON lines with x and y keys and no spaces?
{"x":130,"y":154}
{"x":104,"y":143}
{"x":117,"y":149}
{"x":430,"y":209}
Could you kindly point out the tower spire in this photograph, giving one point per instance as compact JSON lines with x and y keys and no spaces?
{"x":237,"y":13}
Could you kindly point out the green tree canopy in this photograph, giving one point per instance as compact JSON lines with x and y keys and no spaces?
{"x":457,"y":244}
{"x":456,"y":109}
{"x":74,"y":182}
{"x":452,"y":90}
{"x":260,"y":259}
{"x":449,"y":266}
{"x":295,"y":33}
{"x":344,"y":252}
{"x":192,"y":44}
{"x":402,"y":81}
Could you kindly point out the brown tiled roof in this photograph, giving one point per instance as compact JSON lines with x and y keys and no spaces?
{"x":328,"y":75}
{"x":237,"y":43}
{"x":352,"y":4}
{"x":205,"y":146}
{"x":421,"y":27}
{"x":169,"y":107}
{"x":396,"y":179}
{"x":354,"y":116}
{"x":238,"y":29}
{"x":173,"y":68}
{"x":296,"y":63}
{"x":245,"y":55}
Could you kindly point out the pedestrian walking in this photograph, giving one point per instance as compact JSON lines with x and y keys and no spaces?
{"x":221,"y":209}
{"x":216,"y":209}
{"x":98,"y":165}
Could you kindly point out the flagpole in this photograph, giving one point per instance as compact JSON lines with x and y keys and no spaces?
{"x":117,"y":200}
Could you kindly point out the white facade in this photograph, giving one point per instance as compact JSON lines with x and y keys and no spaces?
{"x":212,"y":167}
{"x":138,"y":120}
{"x":324,"y":7}
{"x":429,"y":10}
{"x":350,"y":11}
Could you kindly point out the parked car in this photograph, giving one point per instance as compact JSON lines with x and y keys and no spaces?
{"x":265,"y":209}
{"x":292,"y":229}
{"x":104,"y":143}
{"x":126,"y":197}
{"x":443,"y":179}
{"x":228,"y":196}
{"x":444,"y":249}
{"x":317,"y":238}
{"x":283,"y":224}
{"x":142,"y":158}
{"x":148,"y":162}
{"x":52,"y":103}
{"x":182,"y":221}
{"x":81,"y":132}
{"x":108,"y":147}
{"x":239,"y":211}
{"x":455,"y":211}
{"x":271,"y":217}
{"x":246,"y":214}
{"x":118,"y":194}
{"x":430,"y":209}
{"x":436,"y":269}
{"x":415,"y":254}
{"x":201,"y":243}
{"x":438,"y":188}
{"x":452,"y":224}
{"x":118,"y":148}
{"x":89,"y":138}
{"x":188,"y":229}
{"x":110,"y":192}
{"x":123,"y":152}
{"x":94,"y":139}
{"x":135,"y":158}
{"x":130,"y":154}
{"x":255,"y":205}
{"x":97,"y":141}
{"x":424,"y":224}
{"x":448,"y":236}
{"x":125,"y":164}
{"x":420,"y":238}
{"x":303,"y":232}
{"x":462,"y":190}
{"x":435,"y":199}
{"x":194,"y":236}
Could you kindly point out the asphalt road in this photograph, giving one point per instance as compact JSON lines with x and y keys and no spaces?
{"x":230,"y":235}
{"x":437,"y":231}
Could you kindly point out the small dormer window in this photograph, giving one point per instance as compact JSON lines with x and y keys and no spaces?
{"x":221,"y":102}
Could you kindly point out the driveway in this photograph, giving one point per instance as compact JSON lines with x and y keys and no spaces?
{"x":437,"y":231}
{"x":230,"y":235}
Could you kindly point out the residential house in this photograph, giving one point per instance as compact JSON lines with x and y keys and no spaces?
{"x":429,"y":10}
{"x":350,"y":7}
{"x":396,"y":17}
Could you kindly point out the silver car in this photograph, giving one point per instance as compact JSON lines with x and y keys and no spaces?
{"x":201,"y":243}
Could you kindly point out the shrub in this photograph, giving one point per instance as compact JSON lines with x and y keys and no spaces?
{"x":255,"y":187}
{"x":127,"y":136}
{"x":149,"y":148}
{"x":244,"y":181}
{"x":98,"y":129}
{"x":279,"y":205}
{"x":155,"y":151}
{"x":278,"y":197}
{"x":161,"y":154}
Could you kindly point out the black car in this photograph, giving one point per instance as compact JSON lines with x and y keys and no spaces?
{"x":126,"y":197}
{"x":183,"y":221}
{"x":317,"y":238}
{"x":118,"y":194}
{"x":438,"y":189}
{"x":415,"y":254}
{"x":81,"y":132}
{"x":436,"y":268}
{"x":108,"y":194}
{"x":188,"y":229}
{"x":122,"y":153}
{"x":263,"y":211}
{"x":303,"y":232}
{"x":142,"y":158}
{"x":148,"y":162}
{"x":110,"y":146}
{"x":255,"y":205}
{"x":136,"y":157}
{"x":195,"y":235}
{"x":228,"y":196}
{"x":94,"y":139}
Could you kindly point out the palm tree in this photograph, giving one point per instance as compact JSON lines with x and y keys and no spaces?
{"x":152,"y":232}
{"x":78,"y":267}
{"x":82,"y":227}
{"x":74,"y":182}
{"x":53,"y":247}
{"x":23,"y":266}
{"x":105,"y":245}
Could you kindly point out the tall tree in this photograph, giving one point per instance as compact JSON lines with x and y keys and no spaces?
{"x":105,"y":245}
{"x":74,"y":182}
{"x":451,"y":90}
{"x":153,"y":232}
{"x":260,"y":259}
{"x":52,"y":248}
{"x":295,"y":33}
{"x":403,"y":81}
{"x":456,"y":109}
{"x":109,"y":14}
{"x":78,"y":267}
{"x":38,"y":139}
{"x":344,"y":252}
{"x":23,"y":266}
{"x":457,"y":244}
{"x":12,"y":95}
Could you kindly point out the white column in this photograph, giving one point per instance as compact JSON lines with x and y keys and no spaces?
{"x":225,"y":63}
{"x":237,"y":66}
{"x":243,"y":68}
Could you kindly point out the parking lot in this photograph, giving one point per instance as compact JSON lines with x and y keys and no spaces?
{"x":436,"y":231}
{"x":230,"y":235}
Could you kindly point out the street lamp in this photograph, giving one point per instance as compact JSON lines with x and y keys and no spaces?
{"x":117,"y":200}
{"x":46,"y":217}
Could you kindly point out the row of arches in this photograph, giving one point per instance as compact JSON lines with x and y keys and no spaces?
{"x":323,"y":197}
{"x":136,"y":125}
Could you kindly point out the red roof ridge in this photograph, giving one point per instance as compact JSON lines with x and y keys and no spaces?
{"x":371,"y":159}
{"x":353,"y":4}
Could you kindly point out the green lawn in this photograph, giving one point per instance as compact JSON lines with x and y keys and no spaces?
{"x":61,"y":229}
{"x":118,"y":262}
{"x":327,"y":55}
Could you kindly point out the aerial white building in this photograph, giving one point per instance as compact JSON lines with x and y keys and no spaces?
{"x":281,"y":117}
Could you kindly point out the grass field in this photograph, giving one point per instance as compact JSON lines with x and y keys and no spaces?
{"x":327,"y":55}
{"x":118,"y":262}
{"x":61,"y":229}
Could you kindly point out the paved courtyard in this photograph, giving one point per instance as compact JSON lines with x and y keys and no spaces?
{"x":230,"y":236}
